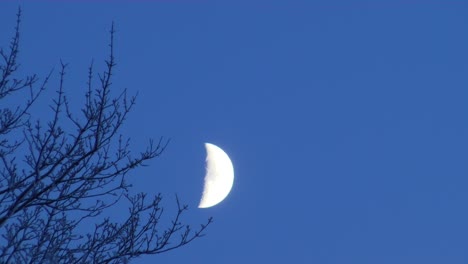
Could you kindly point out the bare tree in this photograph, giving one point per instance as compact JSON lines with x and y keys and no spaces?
{"x":54,"y":181}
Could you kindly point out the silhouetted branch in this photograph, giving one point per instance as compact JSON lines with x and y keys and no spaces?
{"x":55,"y":179}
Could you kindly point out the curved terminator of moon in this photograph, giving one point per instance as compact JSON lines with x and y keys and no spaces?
{"x":219,"y":176}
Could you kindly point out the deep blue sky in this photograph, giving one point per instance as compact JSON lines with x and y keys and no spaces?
{"x":347,"y":121}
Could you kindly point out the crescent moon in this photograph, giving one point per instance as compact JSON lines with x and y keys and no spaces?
{"x":219,"y":176}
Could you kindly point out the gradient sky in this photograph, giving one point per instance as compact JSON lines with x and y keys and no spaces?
{"x":346,"y":121}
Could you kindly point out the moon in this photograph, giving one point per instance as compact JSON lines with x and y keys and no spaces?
{"x":219,"y":176}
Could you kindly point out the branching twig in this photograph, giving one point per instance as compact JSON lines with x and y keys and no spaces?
{"x":67,"y":178}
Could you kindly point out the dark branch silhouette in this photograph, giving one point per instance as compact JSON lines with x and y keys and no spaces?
{"x":56,"y":182}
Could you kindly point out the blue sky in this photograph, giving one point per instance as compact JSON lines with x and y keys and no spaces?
{"x":346,"y":121}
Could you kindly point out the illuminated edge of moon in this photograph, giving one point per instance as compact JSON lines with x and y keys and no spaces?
{"x":219,"y":176}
